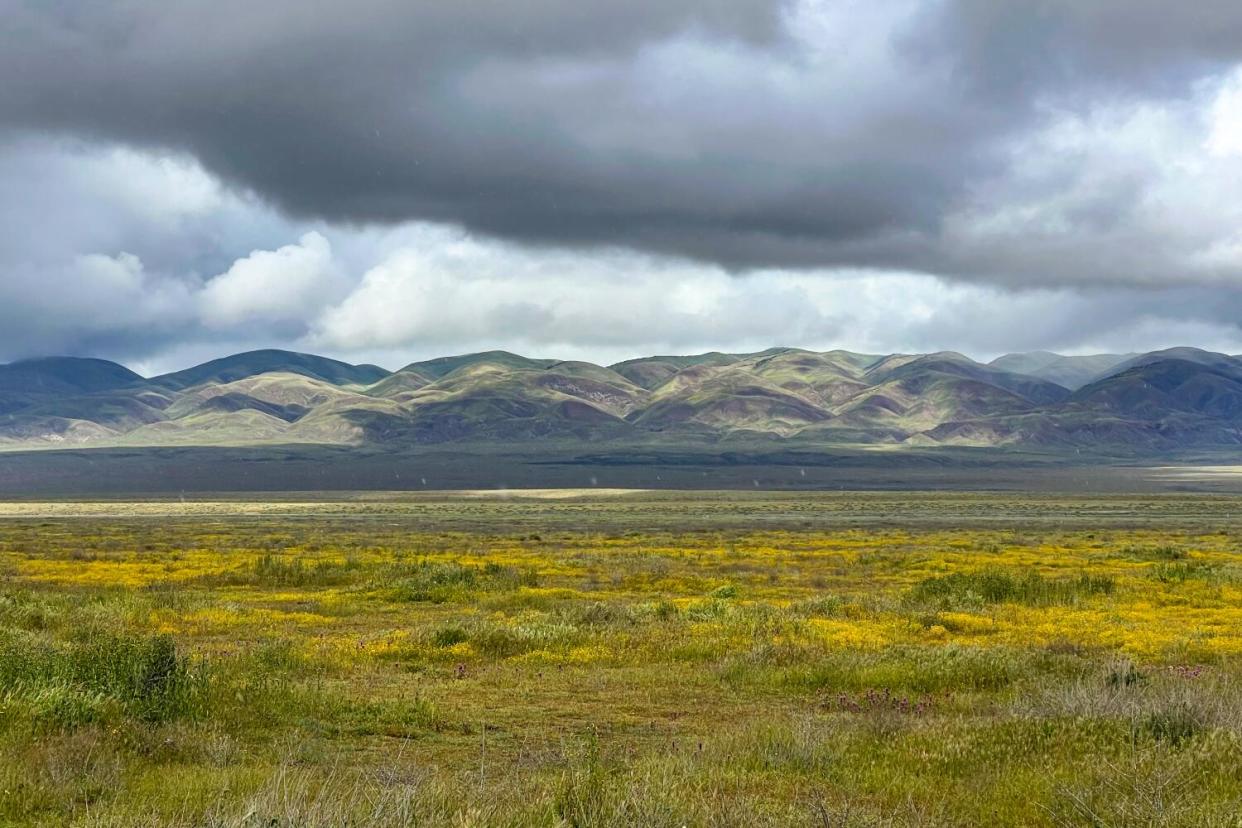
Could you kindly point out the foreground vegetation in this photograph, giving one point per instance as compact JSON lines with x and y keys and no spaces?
{"x":674,"y":660}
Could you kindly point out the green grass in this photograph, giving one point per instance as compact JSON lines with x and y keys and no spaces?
{"x":440,"y":583}
{"x":514,"y":663}
{"x":83,"y":681}
{"x":966,"y":589}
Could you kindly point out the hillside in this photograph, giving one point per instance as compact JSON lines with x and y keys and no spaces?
{"x":65,"y":375}
{"x":253,"y":363}
{"x":1153,"y":403}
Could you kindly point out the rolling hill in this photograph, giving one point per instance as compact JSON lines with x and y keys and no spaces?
{"x":65,"y":375}
{"x":1159,"y":402}
{"x":253,"y":363}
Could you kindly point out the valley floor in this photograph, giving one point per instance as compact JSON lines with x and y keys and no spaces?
{"x":623,"y":658}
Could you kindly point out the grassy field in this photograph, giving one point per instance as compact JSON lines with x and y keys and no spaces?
{"x":589,"y":659}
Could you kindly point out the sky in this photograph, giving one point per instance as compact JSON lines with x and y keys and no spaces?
{"x":385,"y":181}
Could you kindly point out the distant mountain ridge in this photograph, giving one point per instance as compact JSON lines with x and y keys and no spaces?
{"x":1152,"y":403}
{"x":1072,"y":372}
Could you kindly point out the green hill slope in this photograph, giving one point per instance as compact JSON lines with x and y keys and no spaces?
{"x":253,"y":363}
{"x":59,"y":375}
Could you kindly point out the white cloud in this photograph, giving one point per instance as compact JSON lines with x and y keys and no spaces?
{"x":1225,"y":118}
{"x":106,"y":251}
{"x":1131,"y":194}
{"x":452,"y":290}
{"x":284,"y":285}
{"x":445,"y":291}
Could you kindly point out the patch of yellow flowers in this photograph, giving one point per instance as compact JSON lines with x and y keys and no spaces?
{"x":1191,"y":611}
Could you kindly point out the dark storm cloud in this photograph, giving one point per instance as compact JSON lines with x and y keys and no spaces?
{"x":745,"y":133}
{"x":166,"y":170}
{"x":1026,"y":49}
{"x":344,"y":110}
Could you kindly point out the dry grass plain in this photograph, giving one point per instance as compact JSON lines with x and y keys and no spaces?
{"x":625,"y":658}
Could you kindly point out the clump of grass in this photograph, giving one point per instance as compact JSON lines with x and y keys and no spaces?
{"x":400,"y":718}
{"x":278,"y":570}
{"x":442,"y":583}
{"x":1155,"y":552}
{"x":505,"y":641}
{"x":821,"y":606}
{"x":272,"y":569}
{"x":296,"y":797}
{"x":582,"y":799}
{"x":20,"y":611}
{"x":164,"y":595}
{"x":1176,"y":723}
{"x":904,"y":669}
{"x":801,"y":745}
{"x":448,"y":636}
{"x":1123,"y":673}
{"x":1182,"y":571}
{"x":1171,"y":707}
{"x":708,"y":609}
{"x":70,"y":684}
{"x":968,"y":589}
{"x":278,"y":655}
{"x":598,"y":614}
{"x":1146,"y":788}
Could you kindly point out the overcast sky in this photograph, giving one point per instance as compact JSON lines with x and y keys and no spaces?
{"x":386,"y":180}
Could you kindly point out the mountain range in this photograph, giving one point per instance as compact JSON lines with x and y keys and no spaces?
{"x":1151,"y":403}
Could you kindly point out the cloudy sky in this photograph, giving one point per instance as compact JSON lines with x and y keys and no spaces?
{"x":386,"y":180}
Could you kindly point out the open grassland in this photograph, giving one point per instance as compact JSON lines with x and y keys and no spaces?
{"x":623,"y":659}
